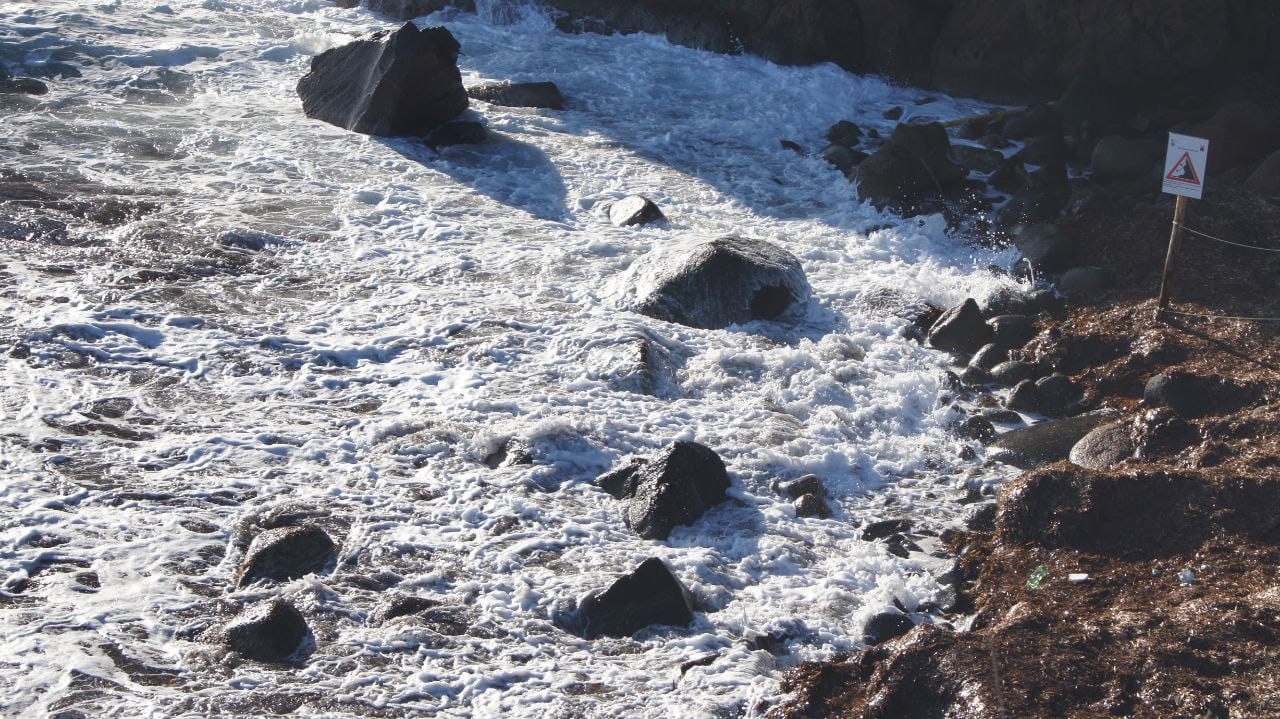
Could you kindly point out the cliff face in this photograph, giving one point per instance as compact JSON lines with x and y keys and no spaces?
{"x":994,"y":49}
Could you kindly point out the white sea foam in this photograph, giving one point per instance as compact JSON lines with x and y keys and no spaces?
{"x":378,"y":318}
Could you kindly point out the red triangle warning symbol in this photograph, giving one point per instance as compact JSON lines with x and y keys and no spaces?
{"x":1184,"y":170}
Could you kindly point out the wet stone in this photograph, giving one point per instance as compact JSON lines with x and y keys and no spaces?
{"x":979,"y":428}
{"x":885,"y":528}
{"x":960,"y":329}
{"x":544,"y":95}
{"x":989,"y":356}
{"x":1012,"y":373}
{"x":886,"y":626}
{"x":650,"y":595}
{"x":634,"y":210}
{"x":811,"y":505}
{"x":1023,"y":397}
{"x":1059,"y":395}
{"x":808,"y":484}
{"x":675,"y":488}
{"x":269,"y":631}
{"x":287,"y":553}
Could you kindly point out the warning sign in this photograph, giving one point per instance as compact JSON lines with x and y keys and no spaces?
{"x":1184,"y":166}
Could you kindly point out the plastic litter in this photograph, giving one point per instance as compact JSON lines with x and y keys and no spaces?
{"x":1077,"y":578}
{"x":1036,"y":580}
{"x":1186,"y":577}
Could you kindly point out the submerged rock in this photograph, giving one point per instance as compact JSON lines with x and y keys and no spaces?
{"x":844,"y":133}
{"x":634,"y":210}
{"x":674,"y":488}
{"x":269,"y":631}
{"x":732,"y":280}
{"x":808,"y":484}
{"x":22,"y":86}
{"x":544,"y":95}
{"x":649,"y":595}
{"x":286,"y":553}
{"x":405,"y":83}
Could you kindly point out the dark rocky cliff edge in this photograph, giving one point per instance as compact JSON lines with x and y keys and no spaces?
{"x":992,"y":49}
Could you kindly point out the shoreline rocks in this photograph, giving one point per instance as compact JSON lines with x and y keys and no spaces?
{"x":651,"y":595}
{"x":403,"y":83}
{"x":673,"y":488}
{"x":723,"y":282}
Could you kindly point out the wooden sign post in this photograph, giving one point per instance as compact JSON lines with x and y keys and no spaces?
{"x":1184,"y":171}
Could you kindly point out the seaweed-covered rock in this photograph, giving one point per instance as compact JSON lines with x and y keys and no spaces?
{"x":405,"y":83}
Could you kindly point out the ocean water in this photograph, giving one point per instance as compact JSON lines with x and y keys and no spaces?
{"x":213,"y":310}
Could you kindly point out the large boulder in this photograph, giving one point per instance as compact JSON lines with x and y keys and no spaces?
{"x":1119,"y":158}
{"x":1044,"y":443}
{"x":711,"y":285}
{"x":405,"y":83}
{"x":913,"y":162}
{"x":286,"y":553}
{"x":673,"y":488}
{"x":1239,"y":133}
{"x":1265,"y":180}
{"x":649,"y":595}
{"x":269,"y":631}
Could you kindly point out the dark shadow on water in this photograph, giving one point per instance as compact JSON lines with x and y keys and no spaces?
{"x":512,"y":172}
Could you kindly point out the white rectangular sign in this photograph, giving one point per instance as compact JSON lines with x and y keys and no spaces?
{"x":1184,"y":166}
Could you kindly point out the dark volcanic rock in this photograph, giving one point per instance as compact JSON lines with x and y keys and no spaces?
{"x":402,"y":605}
{"x":1023,"y":397}
{"x":808,"y":484}
{"x":674,"y":488}
{"x":811,"y":505}
{"x":22,"y":86}
{"x":842,"y":158}
{"x":886,"y":626}
{"x":1058,"y":395}
{"x":844,"y":133}
{"x":1013,"y":373}
{"x":1118,"y":158}
{"x":286,"y":553}
{"x":977,"y":427}
{"x":885,"y":528}
{"x":1104,"y":447}
{"x":989,"y":356}
{"x":977,"y":159}
{"x":269,"y":631}
{"x":1011,"y":330}
{"x":1044,"y":245}
{"x":1084,"y":284}
{"x":650,"y":595}
{"x":1265,"y":180}
{"x":404,"y":83}
{"x":911,"y":163}
{"x":975,"y":377}
{"x":545,"y":95}
{"x":960,"y":329}
{"x":1240,"y":133}
{"x":1185,"y":394}
{"x":1044,"y":443}
{"x":724,"y":282}
{"x":634,"y":210}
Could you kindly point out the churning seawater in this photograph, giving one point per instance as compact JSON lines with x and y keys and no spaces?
{"x":212,"y":309}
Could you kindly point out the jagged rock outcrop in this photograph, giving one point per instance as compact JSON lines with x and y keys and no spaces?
{"x":404,"y":83}
{"x":649,"y":595}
